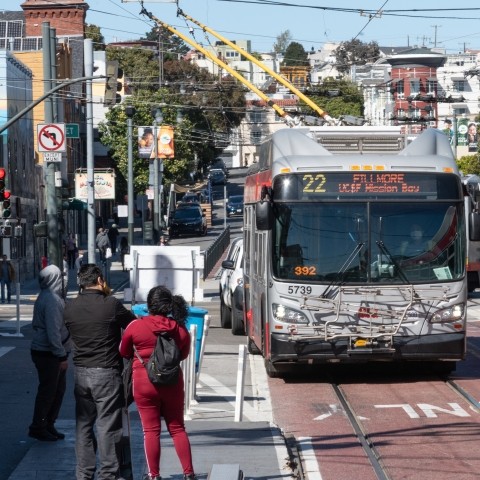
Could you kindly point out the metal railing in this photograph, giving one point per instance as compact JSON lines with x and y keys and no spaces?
{"x":215,"y":251}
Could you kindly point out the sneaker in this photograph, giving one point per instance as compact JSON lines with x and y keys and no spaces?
{"x":53,"y":431}
{"x":190,"y":476}
{"x":149,"y":477}
{"x":42,"y":435}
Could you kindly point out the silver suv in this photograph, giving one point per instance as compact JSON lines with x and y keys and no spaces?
{"x":231,"y":289}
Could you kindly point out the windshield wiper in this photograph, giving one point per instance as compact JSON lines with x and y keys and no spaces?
{"x":385,"y":251}
{"x":338,"y":280}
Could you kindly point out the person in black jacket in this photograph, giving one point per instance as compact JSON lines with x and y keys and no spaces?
{"x":95,"y":321}
{"x":113,"y":236}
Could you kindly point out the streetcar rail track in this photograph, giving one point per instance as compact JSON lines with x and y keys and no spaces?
{"x":363,"y":437}
{"x":464,"y":394}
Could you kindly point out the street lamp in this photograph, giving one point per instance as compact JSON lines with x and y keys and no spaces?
{"x":130,"y":112}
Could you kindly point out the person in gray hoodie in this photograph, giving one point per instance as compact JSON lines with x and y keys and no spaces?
{"x":49,"y":349}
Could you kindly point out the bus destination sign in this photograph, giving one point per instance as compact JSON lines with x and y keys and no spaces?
{"x":371,"y":182}
{"x":367,"y":184}
{"x":381,"y":183}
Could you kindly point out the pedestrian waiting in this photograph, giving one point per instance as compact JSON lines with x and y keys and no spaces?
{"x":95,"y":321}
{"x":49,"y":349}
{"x":7,"y":276}
{"x":167,"y":313}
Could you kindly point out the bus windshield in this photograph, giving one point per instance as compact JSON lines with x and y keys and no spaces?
{"x":368,"y":242}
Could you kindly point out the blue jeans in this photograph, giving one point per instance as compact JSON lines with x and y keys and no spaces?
{"x":6,"y":283}
{"x":99,"y":402}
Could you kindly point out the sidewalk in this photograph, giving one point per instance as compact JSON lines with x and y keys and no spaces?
{"x":254,"y":444}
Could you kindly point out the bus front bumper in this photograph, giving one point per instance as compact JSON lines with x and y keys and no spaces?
{"x":448,"y":346}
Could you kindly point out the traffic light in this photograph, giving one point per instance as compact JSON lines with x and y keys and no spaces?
{"x":112,"y":84}
{"x":4,"y":195}
{"x":6,"y":204}
{"x":3,"y":174}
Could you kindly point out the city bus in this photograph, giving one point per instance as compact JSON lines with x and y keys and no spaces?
{"x":472,"y":186}
{"x":355,"y":249}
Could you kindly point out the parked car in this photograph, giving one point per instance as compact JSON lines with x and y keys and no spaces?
{"x":231,"y":289}
{"x":217,"y":177}
{"x":235,"y":205}
{"x":190,"y":197}
{"x":188,"y":220}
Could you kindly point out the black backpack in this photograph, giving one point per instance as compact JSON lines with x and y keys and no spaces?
{"x":163,"y":366}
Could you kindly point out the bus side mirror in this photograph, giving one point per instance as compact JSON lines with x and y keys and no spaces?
{"x":474,"y":227}
{"x":263,"y":215}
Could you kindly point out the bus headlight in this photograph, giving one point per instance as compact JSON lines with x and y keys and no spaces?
{"x":287,"y":315}
{"x":450,"y":314}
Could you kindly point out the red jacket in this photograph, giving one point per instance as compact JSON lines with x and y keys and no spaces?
{"x":142,"y":334}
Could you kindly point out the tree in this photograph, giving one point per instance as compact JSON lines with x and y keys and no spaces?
{"x":94,"y":33}
{"x":355,"y":52}
{"x":172,"y":46}
{"x":211,"y":107}
{"x":295,"y":56}
{"x":283,"y":40}
{"x":139,"y":65}
{"x":337,"y":98}
{"x":469,"y":164}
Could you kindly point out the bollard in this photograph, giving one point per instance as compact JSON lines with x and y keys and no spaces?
{"x":206,"y":326}
{"x":17,"y":286}
{"x":193,"y":354}
{"x":188,"y":367}
{"x":240,"y":383}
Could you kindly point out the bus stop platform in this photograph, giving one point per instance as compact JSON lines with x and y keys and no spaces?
{"x":257,"y":447}
{"x":255,"y":444}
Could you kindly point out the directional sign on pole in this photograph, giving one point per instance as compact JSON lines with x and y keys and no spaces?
{"x":51,"y":137}
{"x":72,"y":130}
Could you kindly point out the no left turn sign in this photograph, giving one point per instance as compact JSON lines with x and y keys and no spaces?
{"x":51,"y":137}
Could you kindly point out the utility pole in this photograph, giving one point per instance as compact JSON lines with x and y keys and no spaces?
{"x":435,"y":27}
{"x":53,"y":75}
{"x":160,"y":58}
{"x":130,"y":112}
{"x":455,"y":135}
{"x":88,"y":65}
{"x":53,"y":245}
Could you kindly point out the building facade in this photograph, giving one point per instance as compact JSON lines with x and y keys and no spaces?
{"x":22,"y":40}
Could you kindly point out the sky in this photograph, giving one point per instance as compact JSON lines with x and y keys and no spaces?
{"x":310,"y":22}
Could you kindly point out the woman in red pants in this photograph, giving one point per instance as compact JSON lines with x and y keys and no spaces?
{"x":167,"y":313}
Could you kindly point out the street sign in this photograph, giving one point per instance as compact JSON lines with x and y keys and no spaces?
{"x":72,"y":130}
{"x":51,"y":137}
{"x":52,"y":157}
{"x":148,"y":230}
